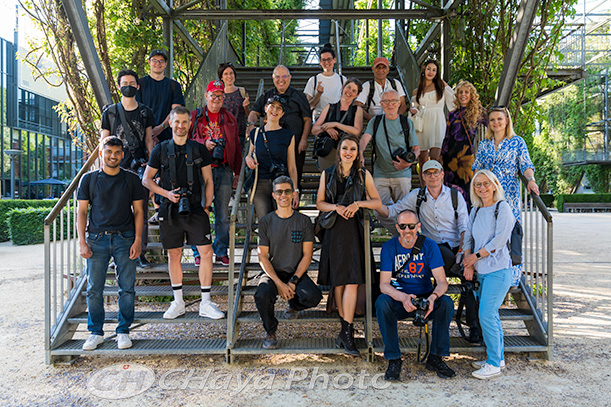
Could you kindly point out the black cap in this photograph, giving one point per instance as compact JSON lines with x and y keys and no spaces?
{"x":156,"y":52}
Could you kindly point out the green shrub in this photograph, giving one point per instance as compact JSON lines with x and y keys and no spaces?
{"x":6,"y":205}
{"x":548,"y":200}
{"x":26,"y":226}
{"x":561,"y":199}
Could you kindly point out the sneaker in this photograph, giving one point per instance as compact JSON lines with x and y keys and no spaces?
{"x":198,"y":260}
{"x":93,"y":342}
{"x":436,"y":364}
{"x":290,"y":313}
{"x":154,"y":220}
{"x":393,"y":373}
{"x":123,"y":341}
{"x":270,"y":342}
{"x":223,"y":260}
{"x":478,"y":364}
{"x":210,"y":310}
{"x":487,"y":372}
{"x":143,"y":263}
{"x":176,"y":309}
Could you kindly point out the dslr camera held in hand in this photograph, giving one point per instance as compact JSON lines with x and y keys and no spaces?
{"x":138,"y":165}
{"x":457,"y":270}
{"x":184,"y":207}
{"x":218,"y":152}
{"x":278,"y":170}
{"x":407,"y":156}
{"x":422,"y":305}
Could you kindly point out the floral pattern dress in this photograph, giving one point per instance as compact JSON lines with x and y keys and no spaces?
{"x":512,"y":155}
{"x":457,"y":152}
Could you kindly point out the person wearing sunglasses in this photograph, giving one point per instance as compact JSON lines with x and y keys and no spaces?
{"x":506,"y":154}
{"x":490,"y":225}
{"x":286,"y":244}
{"x":326,"y":87}
{"x":216,"y":128}
{"x":412,"y":260}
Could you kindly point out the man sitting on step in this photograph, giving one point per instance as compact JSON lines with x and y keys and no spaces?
{"x":114,"y":229}
{"x":286,"y":244}
{"x":185,"y":175}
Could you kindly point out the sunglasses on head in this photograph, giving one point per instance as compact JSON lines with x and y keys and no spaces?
{"x":411,"y":226}
{"x":498,"y":109}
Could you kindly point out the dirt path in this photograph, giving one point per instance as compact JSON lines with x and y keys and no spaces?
{"x":579,"y":375}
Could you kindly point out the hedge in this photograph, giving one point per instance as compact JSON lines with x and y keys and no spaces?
{"x":26,"y":226}
{"x":548,"y":200}
{"x":6,"y":205}
{"x":561,"y":199}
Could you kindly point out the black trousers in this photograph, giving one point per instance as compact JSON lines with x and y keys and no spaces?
{"x":449,"y":258}
{"x":307,"y":295}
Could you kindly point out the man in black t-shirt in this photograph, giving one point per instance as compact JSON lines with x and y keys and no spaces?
{"x":185,"y":176}
{"x":136,"y":134}
{"x":114,"y":229}
{"x":161,"y":94}
{"x":297,"y":114}
{"x":286,"y":244}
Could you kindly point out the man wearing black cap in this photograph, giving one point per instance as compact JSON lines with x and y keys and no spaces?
{"x":161,"y":94}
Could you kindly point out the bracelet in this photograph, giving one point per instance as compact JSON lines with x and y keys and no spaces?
{"x":250,"y":124}
{"x":531,"y":178}
{"x":436,"y":295}
{"x":357,"y":204}
{"x":163,"y":125}
{"x":294,"y":279}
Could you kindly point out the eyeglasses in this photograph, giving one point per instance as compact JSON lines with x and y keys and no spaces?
{"x":389,"y":101}
{"x":282,"y":76}
{"x":280,"y":192}
{"x":484,"y":184}
{"x":157,"y":61}
{"x":431,"y":173}
{"x":411,"y":226}
{"x":217,"y":97}
{"x":326,"y":59}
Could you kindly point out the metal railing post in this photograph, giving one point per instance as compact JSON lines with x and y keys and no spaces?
{"x":339,"y":49}
{"x":368,"y":298}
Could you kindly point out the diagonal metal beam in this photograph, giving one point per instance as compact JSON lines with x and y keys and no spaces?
{"x":435,"y":30}
{"x":187,"y":6}
{"x":182,"y":31}
{"x":91,"y":60}
{"x":517,"y":46}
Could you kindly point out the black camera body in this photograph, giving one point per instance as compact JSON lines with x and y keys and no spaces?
{"x":137,"y":166}
{"x":184,"y":207}
{"x":218,"y":152}
{"x":457,"y":270}
{"x":278,"y":170}
{"x":407,"y":156}
{"x":422,"y":305}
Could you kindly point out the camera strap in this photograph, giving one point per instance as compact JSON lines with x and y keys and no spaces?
{"x":222,"y":121}
{"x":415,"y":251}
{"x":172,"y":162}
{"x":265,"y":143}
{"x":130,"y":132}
{"x":189,"y":165}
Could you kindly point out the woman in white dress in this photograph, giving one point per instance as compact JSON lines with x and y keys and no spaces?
{"x":428,"y":108}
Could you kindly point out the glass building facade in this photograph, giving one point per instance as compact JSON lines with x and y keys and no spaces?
{"x":29,"y":123}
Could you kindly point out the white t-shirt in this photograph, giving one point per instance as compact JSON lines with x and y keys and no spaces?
{"x":331,"y":94}
{"x":375,"y":107}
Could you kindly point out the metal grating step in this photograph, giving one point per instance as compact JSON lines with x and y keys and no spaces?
{"x":305,"y":316}
{"x":165,"y":290}
{"x":151,"y":317}
{"x":146,"y":347}
{"x":298,"y":345}
{"x":459,"y":345}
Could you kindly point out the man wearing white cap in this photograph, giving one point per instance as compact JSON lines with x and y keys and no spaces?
{"x":370,"y":96}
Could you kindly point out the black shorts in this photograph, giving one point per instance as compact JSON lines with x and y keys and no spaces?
{"x":195,"y":226}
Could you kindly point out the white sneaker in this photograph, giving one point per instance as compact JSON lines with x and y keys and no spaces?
{"x":176,"y":309}
{"x":478,"y":364}
{"x":210,"y":310}
{"x":123,"y":341}
{"x":93,"y":342}
{"x":487,"y":372}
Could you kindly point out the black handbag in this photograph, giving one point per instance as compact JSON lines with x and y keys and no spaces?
{"x":323,"y":145}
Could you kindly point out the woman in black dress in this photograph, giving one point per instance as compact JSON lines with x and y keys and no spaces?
{"x":344,"y":189}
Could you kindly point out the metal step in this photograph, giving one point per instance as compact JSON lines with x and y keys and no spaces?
{"x":459,"y":345}
{"x":320,"y":316}
{"x":164,"y":290}
{"x":146,"y":347}
{"x":151,"y":317}
{"x":297,"y":345}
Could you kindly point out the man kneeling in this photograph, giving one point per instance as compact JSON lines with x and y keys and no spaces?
{"x":413,"y":259}
{"x":286,"y":244}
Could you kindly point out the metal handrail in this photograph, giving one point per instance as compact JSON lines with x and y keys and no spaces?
{"x":339,"y":50}
{"x":406,"y":63}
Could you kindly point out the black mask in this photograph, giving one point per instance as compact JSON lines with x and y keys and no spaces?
{"x":129,"y":91}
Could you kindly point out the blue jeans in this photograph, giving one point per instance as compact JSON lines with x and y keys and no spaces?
{"x":389,"y":311}
{"x":104,"y":246}
{"x":223,"y":187}
{"x":492,"y":290}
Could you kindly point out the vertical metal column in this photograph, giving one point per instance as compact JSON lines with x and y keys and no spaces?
{"x":446,"y":47}
{"x":168,"y":39}
{"x":380,"y":42}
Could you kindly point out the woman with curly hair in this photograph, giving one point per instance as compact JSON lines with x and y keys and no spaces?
{"x":457,"y":149}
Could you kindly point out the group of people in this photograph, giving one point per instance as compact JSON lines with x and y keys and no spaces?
{"x":189,"y":162}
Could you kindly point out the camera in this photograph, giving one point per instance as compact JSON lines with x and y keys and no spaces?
{"x":137,"y":166}
{"x":407,"y":156}
{"x":422,"y":305}
{"x":277,"y":170}
{"x":218,"y":152}
{"x":184,"y":207}
{"x":466,"y":286}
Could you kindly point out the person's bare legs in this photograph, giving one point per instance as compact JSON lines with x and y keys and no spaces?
{"x":339,"y":294}
{"x":435,"y":153}
{"x":205,"y":267}
{"x":174,"y":256}
{"x":422,"y":158}
{"x":349,"y":302}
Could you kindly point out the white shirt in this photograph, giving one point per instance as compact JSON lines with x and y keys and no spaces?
{"x":376,"y":107}
{"x":331,"y":94}
{"x":436,"y":215}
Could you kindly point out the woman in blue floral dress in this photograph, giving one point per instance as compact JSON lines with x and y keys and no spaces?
{"x":504,"y":153}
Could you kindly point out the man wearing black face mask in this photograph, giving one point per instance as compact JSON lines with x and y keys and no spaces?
{"x":133,"y":123}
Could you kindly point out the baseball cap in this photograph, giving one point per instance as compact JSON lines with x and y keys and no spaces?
{"x":215,"y":85}
{"x":381,"y":60}
{"x":432,"y":165}
{"x":156,"y":52}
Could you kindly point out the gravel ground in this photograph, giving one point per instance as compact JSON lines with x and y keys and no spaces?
{"x":578,"y":375}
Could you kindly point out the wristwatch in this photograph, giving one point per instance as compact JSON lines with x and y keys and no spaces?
{"x":294,"y":279}
{"x":209,"y":208}
{"x":479,"y":256}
